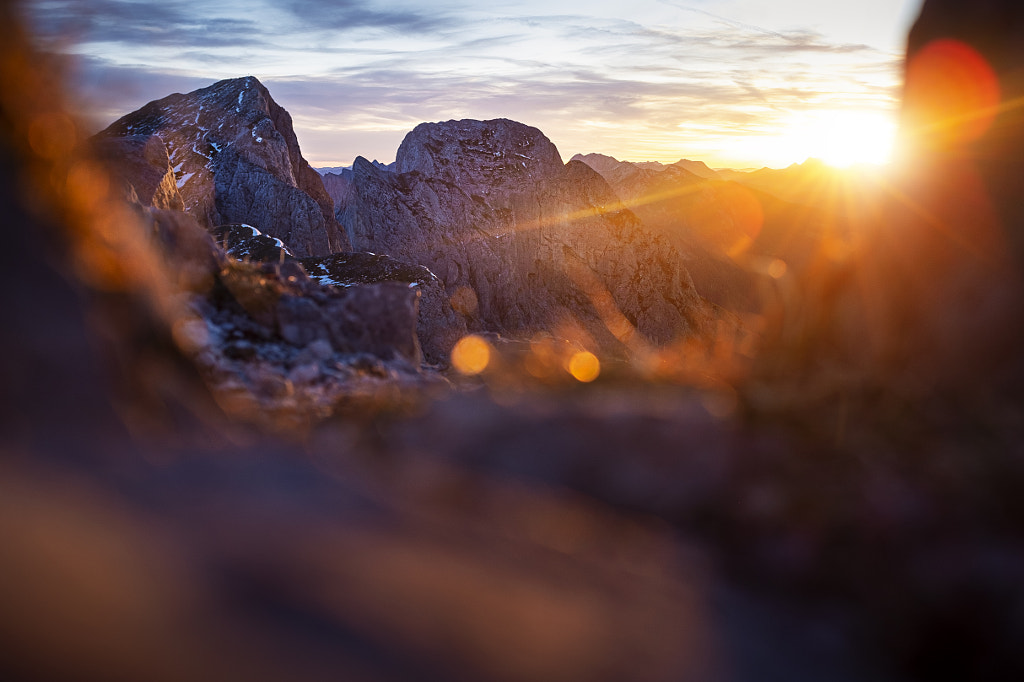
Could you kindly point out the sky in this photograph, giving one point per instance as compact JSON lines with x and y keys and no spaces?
{"x":735,"y":83}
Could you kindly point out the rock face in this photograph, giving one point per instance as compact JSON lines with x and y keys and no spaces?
{"x":141,"y":164}
{"x":521,"y":242}
{"x":245,"y":242}
{"x":439,"y":326}
{"x":338,"y":185}
{"x":235,"y":159}
{"x":266,"y":337}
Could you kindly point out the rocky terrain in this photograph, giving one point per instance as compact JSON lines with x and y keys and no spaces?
{"x":228,"y":157}
{"x":234,"y":158}
{"x":522,"y":242}
{"x":513,"y":241}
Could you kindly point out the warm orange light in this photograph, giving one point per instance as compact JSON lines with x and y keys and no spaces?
{"x":728,"y":218}
{"x":584,"y":367}
{"x":471,"y":355}
{"x":542,"y":360}
{"x":464,"y":300}
{"x":952,"y":94}
{"x":777,"y":268}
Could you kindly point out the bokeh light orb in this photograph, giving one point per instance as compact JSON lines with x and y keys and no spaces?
{"x":584,"y":367}
{"x":471,"y":355}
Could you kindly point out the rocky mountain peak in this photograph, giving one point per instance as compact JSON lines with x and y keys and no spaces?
{"x":599,"y":162}
{"x":479,"y":156}
{"x":236,"y":159}
{"x":523,"y":241}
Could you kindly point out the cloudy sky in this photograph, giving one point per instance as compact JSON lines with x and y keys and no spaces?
{"x":740,"y":83}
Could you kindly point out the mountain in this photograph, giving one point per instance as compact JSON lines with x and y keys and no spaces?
{"x":599,"y":162}
{"x":141,"y":165}
{"x":698,"y":168}
{"x":332,"y":169}
{"x":692,"y":215}
{"x":818,"y":185}
{"x":227,"y":155}
{"x":603,"y":162}
{"x":730,"y":235}
{"x":338,"y":185}
{"x":235,"y":159}
{"x":522,"y":242}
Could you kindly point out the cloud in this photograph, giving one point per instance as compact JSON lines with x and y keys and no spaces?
{"x":354,"y":73}
{"x":131,"y":23}
{"x":106,"y":90}
{"x":801,"y":40}
{"x":347,"y":15}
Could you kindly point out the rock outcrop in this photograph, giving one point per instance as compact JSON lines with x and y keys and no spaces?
{"x":245,"y":242}
{"x":522,"y":242}
{"x":269,"y":339}
{"x":141,"y":164}
{"x":235,"y":159}
{"x":439,"y":326}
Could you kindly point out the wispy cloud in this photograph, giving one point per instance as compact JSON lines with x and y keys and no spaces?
{"x":627,"y":83}
{"x":350,"y":15}
{"x":126,"y":23}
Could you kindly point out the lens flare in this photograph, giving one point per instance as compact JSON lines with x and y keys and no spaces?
{"x":584,"y":367}
{"x":471,"y":355}
{"x":952,"y":94}
{"x":777,"y":268}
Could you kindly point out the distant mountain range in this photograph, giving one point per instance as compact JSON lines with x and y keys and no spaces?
{"x":601,"y":163}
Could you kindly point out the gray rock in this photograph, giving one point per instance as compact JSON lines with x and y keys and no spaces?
{"x":301,"y":321}
{"x":523,"y":242}
{"x":338,"y":185}
{"x":439,"y":326}
{"x":192,"y":256}
{"x":379,"y":319}
{"x":141,"y":162}
{"x":245,"y":242}
{"x":236,"y":159}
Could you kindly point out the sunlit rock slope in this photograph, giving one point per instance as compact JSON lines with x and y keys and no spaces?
{"x":235,"y":159}
{"x":522,"y":241}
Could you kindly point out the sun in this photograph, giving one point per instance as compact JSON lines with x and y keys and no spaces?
{"x":845,"y":138}
{"x":840,"y":138}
